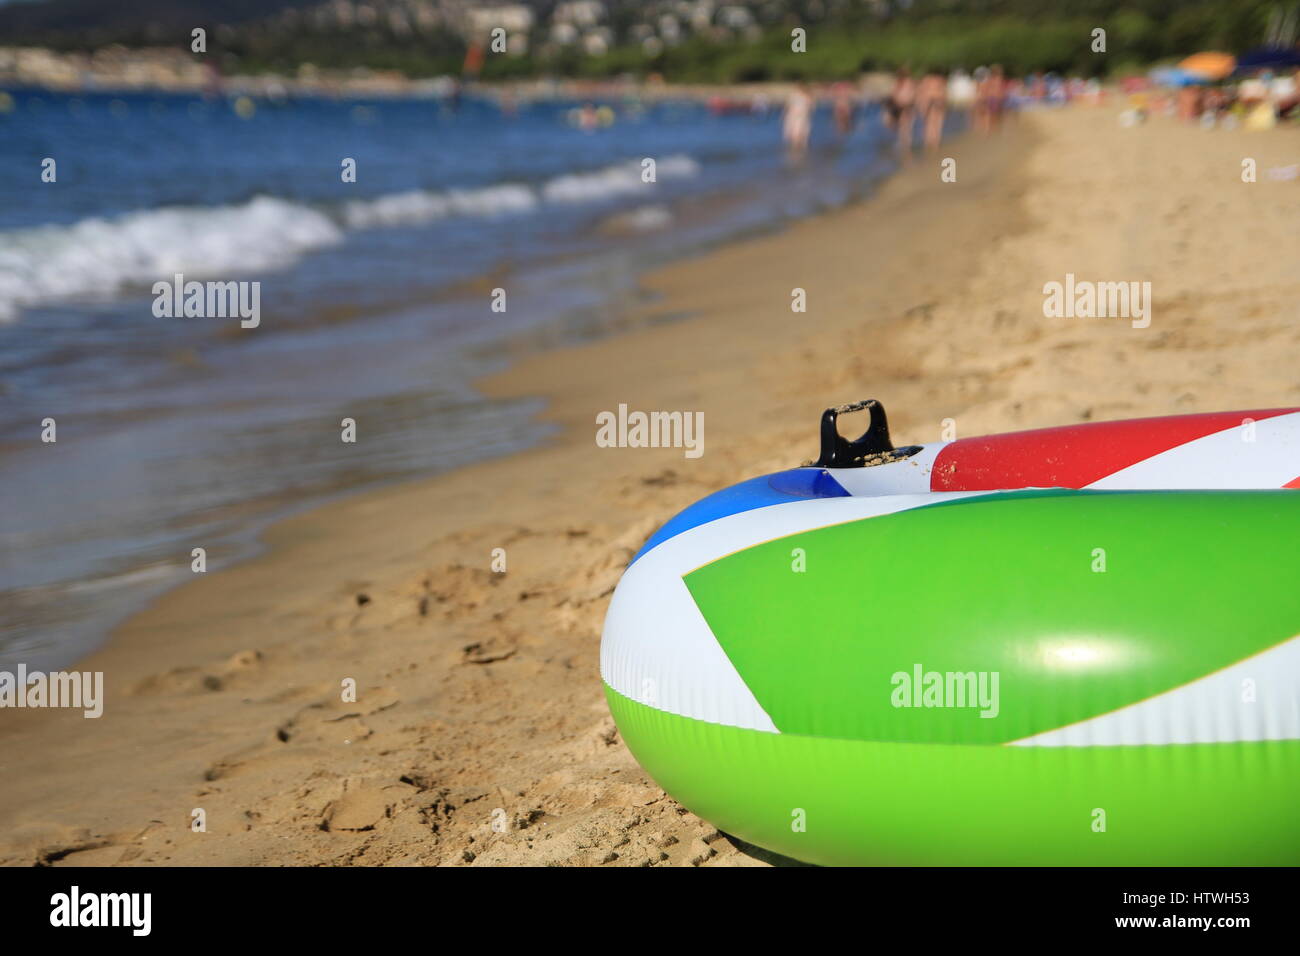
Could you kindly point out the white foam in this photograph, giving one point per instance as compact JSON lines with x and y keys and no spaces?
{"x":99,"y":258}
{"x":640,"y":219}
{"x":420,"y":206}
{"x":618,"y":180}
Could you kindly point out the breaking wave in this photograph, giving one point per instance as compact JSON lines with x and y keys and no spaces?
{"x":99,"y":258}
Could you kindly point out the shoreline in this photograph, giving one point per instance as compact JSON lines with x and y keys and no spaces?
{"x":478,"y":691}
{"x":65,"y":613}
{"x":143,"y":663}
{"x":874,"y":87}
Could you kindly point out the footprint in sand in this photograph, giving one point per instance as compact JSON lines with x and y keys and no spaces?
{"x":223,"y":675}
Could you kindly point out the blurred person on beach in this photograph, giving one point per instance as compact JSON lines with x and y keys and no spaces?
{"x":1286,"y":91}
{"x":997,"y":96}
{"x":932,"y":106}
{"x":1282,"y":90}
{"x":961,"y":90}
{"x":844,"y":109}
{"x":1057,"y":90}
{"x":1189,"y":103}
{"x":1035,"y":87}
{"x":900,"y":108}
{"x":1215,"y":104}
{"x":1093,"y":92}
{"x":1013,"y":99}
{"x":990,"y":98}
{"x":1139,"y":108}
{"x":796,"y":124}
{"x":1257,"y":104}
{"x":1253,"y":91}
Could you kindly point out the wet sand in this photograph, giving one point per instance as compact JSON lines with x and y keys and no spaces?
{"x":479,"y":734}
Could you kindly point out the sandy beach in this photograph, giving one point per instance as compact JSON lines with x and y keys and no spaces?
{"x":479,"y":734}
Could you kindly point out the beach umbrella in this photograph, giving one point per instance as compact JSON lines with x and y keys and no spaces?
{"x":1268,"y":58}
{"x":1212,"y":66}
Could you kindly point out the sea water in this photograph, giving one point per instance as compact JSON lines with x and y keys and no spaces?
{"x":375,"y":301}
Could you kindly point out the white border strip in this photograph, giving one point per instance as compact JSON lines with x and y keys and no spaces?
{"x":1253,"y":699}
{"x":1220,"y":460}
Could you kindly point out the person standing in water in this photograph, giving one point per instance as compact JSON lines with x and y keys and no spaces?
{"x":796,"y":125}
{"x":843,"y":110}
{"x":932,"y":106}
{"x":900,"y":108}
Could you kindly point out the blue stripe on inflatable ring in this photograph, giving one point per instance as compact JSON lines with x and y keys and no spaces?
{"x":775,"y":489}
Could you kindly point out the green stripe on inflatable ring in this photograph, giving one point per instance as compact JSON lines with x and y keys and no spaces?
{"x":1006,"y":585}
{"x":929,"y":804}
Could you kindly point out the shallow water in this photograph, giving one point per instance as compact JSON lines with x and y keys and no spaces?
{"x":176,"y":433}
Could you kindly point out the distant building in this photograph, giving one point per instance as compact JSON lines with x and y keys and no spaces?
{"x":514,"y":17}
{"x":565,"y":34}
{"x":598,"y":41}
{"x":580,"y":13}
{"x":735,"y":17}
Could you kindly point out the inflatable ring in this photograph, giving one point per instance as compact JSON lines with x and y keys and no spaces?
{"x":1072,"y":646}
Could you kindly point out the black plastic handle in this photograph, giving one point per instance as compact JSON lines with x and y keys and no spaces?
{"x":872,"y":448}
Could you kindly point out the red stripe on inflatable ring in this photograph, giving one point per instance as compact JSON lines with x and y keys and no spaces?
{"x":1072,"y":456}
